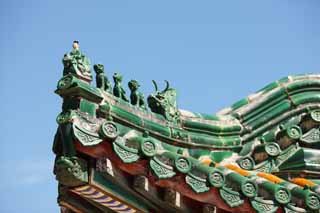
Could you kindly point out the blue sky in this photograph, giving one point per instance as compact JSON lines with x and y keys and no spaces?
{"x":213,"y":52}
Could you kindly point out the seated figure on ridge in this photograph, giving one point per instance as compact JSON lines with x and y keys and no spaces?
{"x":77,"y":63}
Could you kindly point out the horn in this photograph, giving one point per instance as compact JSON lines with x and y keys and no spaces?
{"x":167,"y":86}
{"x":155,"y":85}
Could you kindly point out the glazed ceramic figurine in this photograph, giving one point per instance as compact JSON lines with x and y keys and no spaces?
{"x":77,"y":63}
{"x":118,"y":90}
{"x":102,"y":81}
{"x":136,"y":97}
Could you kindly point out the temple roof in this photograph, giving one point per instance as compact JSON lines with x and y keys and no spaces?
{"x":119,"y":154}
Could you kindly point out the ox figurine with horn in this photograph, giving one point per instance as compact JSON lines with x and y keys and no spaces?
{"x":164,"y":102}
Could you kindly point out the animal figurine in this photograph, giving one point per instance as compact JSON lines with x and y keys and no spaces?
{"x":136,"y":96}
{"x":164,"y":102}
{"x":118,"y":90}
{"x":102,"y":81}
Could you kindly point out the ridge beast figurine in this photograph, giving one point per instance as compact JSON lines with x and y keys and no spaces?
{"x":101,"y":79}
{"x":259,"y":155}
{"x":118,"y":90}
{"x":136,"y":97}
{"x":164,"y":102}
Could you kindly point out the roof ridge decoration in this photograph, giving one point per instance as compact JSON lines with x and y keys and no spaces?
{"x":260,"y":155}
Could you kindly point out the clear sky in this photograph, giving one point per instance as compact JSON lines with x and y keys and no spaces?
{"x":213,"y":52}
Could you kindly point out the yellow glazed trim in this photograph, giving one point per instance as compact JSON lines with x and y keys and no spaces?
{"x":237,"y":169}
{"x":303,"y":182}
{"x":270,"y":177}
